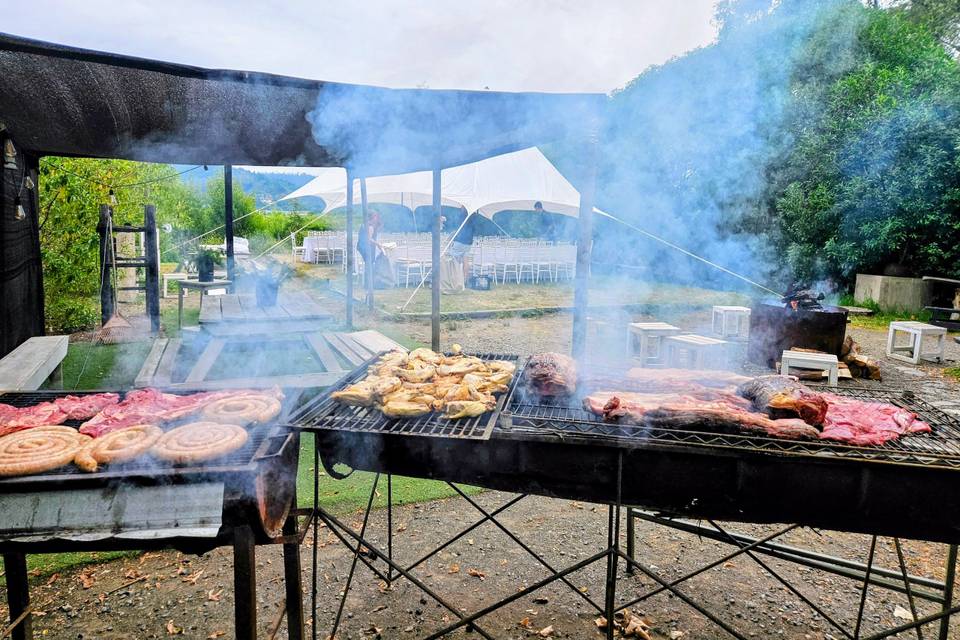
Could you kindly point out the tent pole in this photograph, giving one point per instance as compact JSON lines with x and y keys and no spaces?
{"x":348,"y":254}
{"x":368,"y":270}
{"x":228,"y":220}
{"x":435,"y":266}
{"x":584,"y":246}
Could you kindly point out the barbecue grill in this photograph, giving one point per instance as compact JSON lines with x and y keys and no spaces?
{"x":241,"y":499}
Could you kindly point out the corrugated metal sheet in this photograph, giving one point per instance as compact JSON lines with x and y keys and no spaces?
{"x":123,"y":511}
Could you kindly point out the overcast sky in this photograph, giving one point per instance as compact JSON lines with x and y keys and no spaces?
{"x":504,"y":45}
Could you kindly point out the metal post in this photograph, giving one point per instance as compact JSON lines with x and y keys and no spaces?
{"x":152,"y":275}
{"x":348,"y":254}
{"x":107,"y":302}
{"x":585,"y":244}
{"x":244,"y":583}
{"x":948,"y":584}
{"x":368,"y":271}
{"x":292,"y":579}
{"x":228,"y":219}
{"x":18,"y":594}
{"x":435,"y":268}
{"x":389,"y":527}
{"x":631,"y":539}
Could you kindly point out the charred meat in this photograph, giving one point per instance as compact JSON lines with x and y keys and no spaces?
{"x":784,"y":397}
{"x":551,"y":374}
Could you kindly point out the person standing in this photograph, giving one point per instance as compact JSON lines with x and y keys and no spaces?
{"x":463,"y":242}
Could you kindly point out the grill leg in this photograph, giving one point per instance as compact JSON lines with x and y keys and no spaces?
{"x":244,"y":583}
{"x":18,"y":594}
{"x":948,"y":585}
{"x":389,"y":529}
{"x":293,"y":581}
{"x":631,"y":540}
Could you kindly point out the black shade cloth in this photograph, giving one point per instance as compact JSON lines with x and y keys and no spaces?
{"x":67,"y":101}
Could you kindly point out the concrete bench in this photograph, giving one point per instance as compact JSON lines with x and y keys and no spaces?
{"x":807,"y":360}
{"x":731,"y":322}
{"x":28,"y":366}
{"x":914,"y":349}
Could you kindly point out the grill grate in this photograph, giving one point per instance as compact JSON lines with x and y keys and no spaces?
{"x":326,"y":414}
{"x":143,"y":468}
{"x":529,"y":414}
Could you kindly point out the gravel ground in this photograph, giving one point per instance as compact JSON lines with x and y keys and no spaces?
{"x":161,"y":595}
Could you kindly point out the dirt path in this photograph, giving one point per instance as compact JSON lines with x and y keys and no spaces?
{"x":166,"y":595}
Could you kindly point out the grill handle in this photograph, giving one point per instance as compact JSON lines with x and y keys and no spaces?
{"x":267,"y":446}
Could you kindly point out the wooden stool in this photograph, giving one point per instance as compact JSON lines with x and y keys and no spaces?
{"x":731,"y":322}
{"x":806,"y":360}
{"x":691,"y":351}
{"x":649,"y":335}
{"x":916,"y":331}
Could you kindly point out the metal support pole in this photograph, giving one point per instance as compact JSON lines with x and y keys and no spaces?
{"x":292,"y":579}
{"x":152,"y":272}
{"x":368,"y":265}
{"x":389,"y":528}
{"x":228,"y":219}
{"x":949,"y":583}
{"x":866,"y":586}
{"x":107,"y":303}
{"x":585,"y":245}
{"x":18,"y":594}
{"x":348,"y":254}
{"x":631,"y":539}
{"x":435,"y":268}
{"x":244,"y":583}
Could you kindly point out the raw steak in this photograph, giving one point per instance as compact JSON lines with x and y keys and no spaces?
{"x":784,"y":397}
{"x":868,"y":423}
{"x":85,"y":407}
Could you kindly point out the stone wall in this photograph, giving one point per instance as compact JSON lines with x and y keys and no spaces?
{"x":892,"y":293}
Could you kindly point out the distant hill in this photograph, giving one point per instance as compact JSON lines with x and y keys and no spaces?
{"x":265,"y":186}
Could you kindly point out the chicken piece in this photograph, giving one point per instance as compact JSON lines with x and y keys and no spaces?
{"x":463,"y":392}
{"x":465,"y":409}
{"x":463,"y":366}
{"x":359,"y":395}
{"x":401,"y":409}
{"x":386,"y":385}
{"x":431,"y":357}
{"x":456,"y":349}
{"x":420,"y":374}
{"x":500,"y":377}
{"x":502,"y":365}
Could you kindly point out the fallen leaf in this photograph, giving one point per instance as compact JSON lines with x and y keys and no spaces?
{"x":546,"y":632}
{"x":676,"y":635}
{"x":102,"y":598}
{"x":401,"y":528}
{"x":903,"y":614}
{"x":525,"y":623}
{"x":171,"y":628}
{"x":193,"y":578}
{"x":132,"y":574}
{"x":476,"y":573}
{"x":34,"y":572}
{"x":53,"y":579}
{"x":216,"y":634}
{"x":470,"y":541}
{"x":214,"y":596}
{"x":601,"y":622}
{"x":86,"y":579}
{"x":372,"y":630}
{"x":455,"y":568}
{"x":379,"y":608}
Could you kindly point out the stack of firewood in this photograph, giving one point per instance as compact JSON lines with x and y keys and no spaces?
{"x":853,"y":364}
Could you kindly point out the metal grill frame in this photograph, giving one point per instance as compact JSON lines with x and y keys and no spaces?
{"x":323,"y":413}
{"x":560,"y":421}
{"x":264,"y":442}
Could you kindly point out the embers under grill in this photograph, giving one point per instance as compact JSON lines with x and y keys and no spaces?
{"x":530,"y":415}
{"x":324,"y":413}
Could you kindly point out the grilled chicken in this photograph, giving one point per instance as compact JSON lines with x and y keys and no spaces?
{"x":465,"y":409}
{"x":358,"y":395}
{"x":401,"y":409}
{"x":502,"y":366}
{"x":426,"y":355}
{"x":387,"y":385}
{"x":421,"y":374}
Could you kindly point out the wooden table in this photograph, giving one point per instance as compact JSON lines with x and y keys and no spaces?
{"x":202,"y":287}
{"x":238,"y":314}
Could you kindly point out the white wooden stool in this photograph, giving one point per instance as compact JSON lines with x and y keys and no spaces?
{"x":731,"y":322}
{"x":691,"y":351}
{"x":650,"y":337}
{"x":816,"y":361}
{"x":916,"y":332}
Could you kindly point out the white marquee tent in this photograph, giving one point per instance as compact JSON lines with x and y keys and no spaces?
{"x":512,"y":181}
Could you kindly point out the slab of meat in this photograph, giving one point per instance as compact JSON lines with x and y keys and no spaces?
{"x":152,"y":406}
{"x":868,"y":423}
{"x":38,"y":415}
{"x":551,"y":374}
{"x":722,"y":420}
{"x":85,"y":407}
{"x":784,"y":397}
{"x":613,"y":405}
{"x":680,"y":378}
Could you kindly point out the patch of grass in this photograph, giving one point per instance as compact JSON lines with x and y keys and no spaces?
{"x":953,"y":372}
{"x":603,"y":291}
{"x":881,"y":319}
{"x":43,"y":566}
{"x":168,"y":317}
{"x":351,"y":494}
{"x":103,"y":366}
